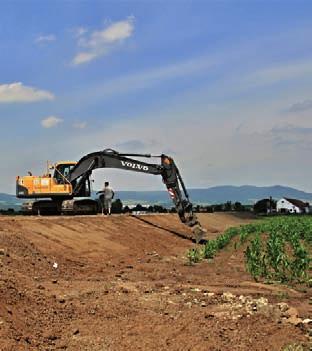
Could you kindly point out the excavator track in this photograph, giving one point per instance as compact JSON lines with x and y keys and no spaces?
{"x":40,"y":207}
{"x":80,"y":207}
{"x":66,"y":207}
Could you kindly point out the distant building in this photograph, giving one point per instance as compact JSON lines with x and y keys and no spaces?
{"x":286,"y":205}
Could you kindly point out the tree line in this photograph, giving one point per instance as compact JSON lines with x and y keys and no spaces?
{"x":117,"y":207}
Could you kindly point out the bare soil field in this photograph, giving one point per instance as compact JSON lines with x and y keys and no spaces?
{"x":124,"y":283}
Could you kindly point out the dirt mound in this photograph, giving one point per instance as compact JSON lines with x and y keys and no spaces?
{"x":122,"y":283}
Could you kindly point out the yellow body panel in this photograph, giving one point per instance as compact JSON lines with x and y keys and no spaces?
{"x":38,"y":186}
{"x":44,"y":185}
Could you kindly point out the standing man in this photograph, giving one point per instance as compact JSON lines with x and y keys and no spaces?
{"x":106,"y":198}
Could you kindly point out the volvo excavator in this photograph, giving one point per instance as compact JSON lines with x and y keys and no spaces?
{"x":68,"y":189}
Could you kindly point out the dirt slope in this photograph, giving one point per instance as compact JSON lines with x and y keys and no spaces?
{"x":122,"y":283}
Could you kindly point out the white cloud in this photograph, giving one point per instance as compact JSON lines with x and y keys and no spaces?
{"x":84,"y":57}
{"x":101,"y":42}
{"x":80,"y":125}
{"x":115,"y":32}
{"x":17,"y":92}
{"x":51,"y":122}
{"x":45,"y":38}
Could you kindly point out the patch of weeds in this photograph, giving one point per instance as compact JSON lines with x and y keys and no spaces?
{"x":294,"y":347}
{"x":194,"y":255}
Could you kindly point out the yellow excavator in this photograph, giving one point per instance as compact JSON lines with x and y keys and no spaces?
{"x":66,"y":187}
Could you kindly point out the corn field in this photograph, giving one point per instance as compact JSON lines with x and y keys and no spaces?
{"x":276,"y":249}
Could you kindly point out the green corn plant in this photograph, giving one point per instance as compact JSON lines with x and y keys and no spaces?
{"x":301,"y":263}
{"x":210,"y":249}
{"x":283,"y":253}
{"x":194,"y":255}
{"x":212,"y":246}
{"x":277,"y":259}
{"x":255,"y":259}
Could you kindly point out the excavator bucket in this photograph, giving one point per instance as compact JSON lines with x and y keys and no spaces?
{"x":199,"y":233}
{"x":191,"y":220}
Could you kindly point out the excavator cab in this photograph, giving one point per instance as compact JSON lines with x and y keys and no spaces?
{"x":62,"y":171}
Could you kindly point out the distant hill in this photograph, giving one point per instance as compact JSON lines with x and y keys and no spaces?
{"x":9,"y":201}
{"x":246,"y":194}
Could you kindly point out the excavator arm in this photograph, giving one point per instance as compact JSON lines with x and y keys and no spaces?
{"x":167,"y":169}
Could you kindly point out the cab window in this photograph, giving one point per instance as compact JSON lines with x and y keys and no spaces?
{"x":62,"y":170}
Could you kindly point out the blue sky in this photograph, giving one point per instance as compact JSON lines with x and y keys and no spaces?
{"x":223,"y":86}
